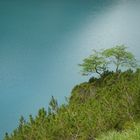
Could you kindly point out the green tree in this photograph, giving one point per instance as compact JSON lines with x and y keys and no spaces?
{"x":53,"y":104}
{"x":120,"y":57}
{"x":7,"y":136}
{"x":95,"y":63}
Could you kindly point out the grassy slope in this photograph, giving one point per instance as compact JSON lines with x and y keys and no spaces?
{"x":105,"y":104}
{"x":131,"y":134}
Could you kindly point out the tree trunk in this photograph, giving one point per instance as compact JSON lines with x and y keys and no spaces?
{"x":97,"y":72}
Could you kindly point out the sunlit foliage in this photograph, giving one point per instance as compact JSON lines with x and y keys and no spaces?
{"x":104,"y":104}
{"x":108,"y":103}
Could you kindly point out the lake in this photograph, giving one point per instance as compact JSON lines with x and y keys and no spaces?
{"x":43,"y":41}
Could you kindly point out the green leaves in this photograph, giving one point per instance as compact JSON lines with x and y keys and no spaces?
{"x":53,"y":104}
{"x":102,"y":104}
{"x":120,"y":57}
{"x":105,"y":104}
{"x":95,"y":63}
{"x":117,"y":57}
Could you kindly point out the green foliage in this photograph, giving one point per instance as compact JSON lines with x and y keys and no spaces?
{"x":108,"y":103}
{"x":104,"y":104}
{"x":120,"y":57}
{"x":131,"y":134}
{"x":99,"y":62}
{"x":53,"y":104}
{"x":95,"y":63}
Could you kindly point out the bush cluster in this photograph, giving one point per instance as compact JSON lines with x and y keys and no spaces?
{"x":95,"y":107}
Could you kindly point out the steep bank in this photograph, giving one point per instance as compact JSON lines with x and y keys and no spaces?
{"x":111,"y":102}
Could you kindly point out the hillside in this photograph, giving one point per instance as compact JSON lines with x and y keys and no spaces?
{"x":130,"y":134}
{"x":108,"y":103}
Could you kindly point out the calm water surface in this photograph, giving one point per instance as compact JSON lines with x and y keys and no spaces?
{"x":42,"y":41}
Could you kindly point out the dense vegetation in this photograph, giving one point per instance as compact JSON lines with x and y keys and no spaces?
{"x":108,"y":103}
{"x":100,"y":61}
{"x":130,"y":134}
{"x":111,"y":102}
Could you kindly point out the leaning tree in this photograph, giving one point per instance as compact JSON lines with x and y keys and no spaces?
{"x":95,"y":63}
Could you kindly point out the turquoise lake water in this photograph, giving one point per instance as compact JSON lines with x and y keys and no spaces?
{"x":42,"y":41}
